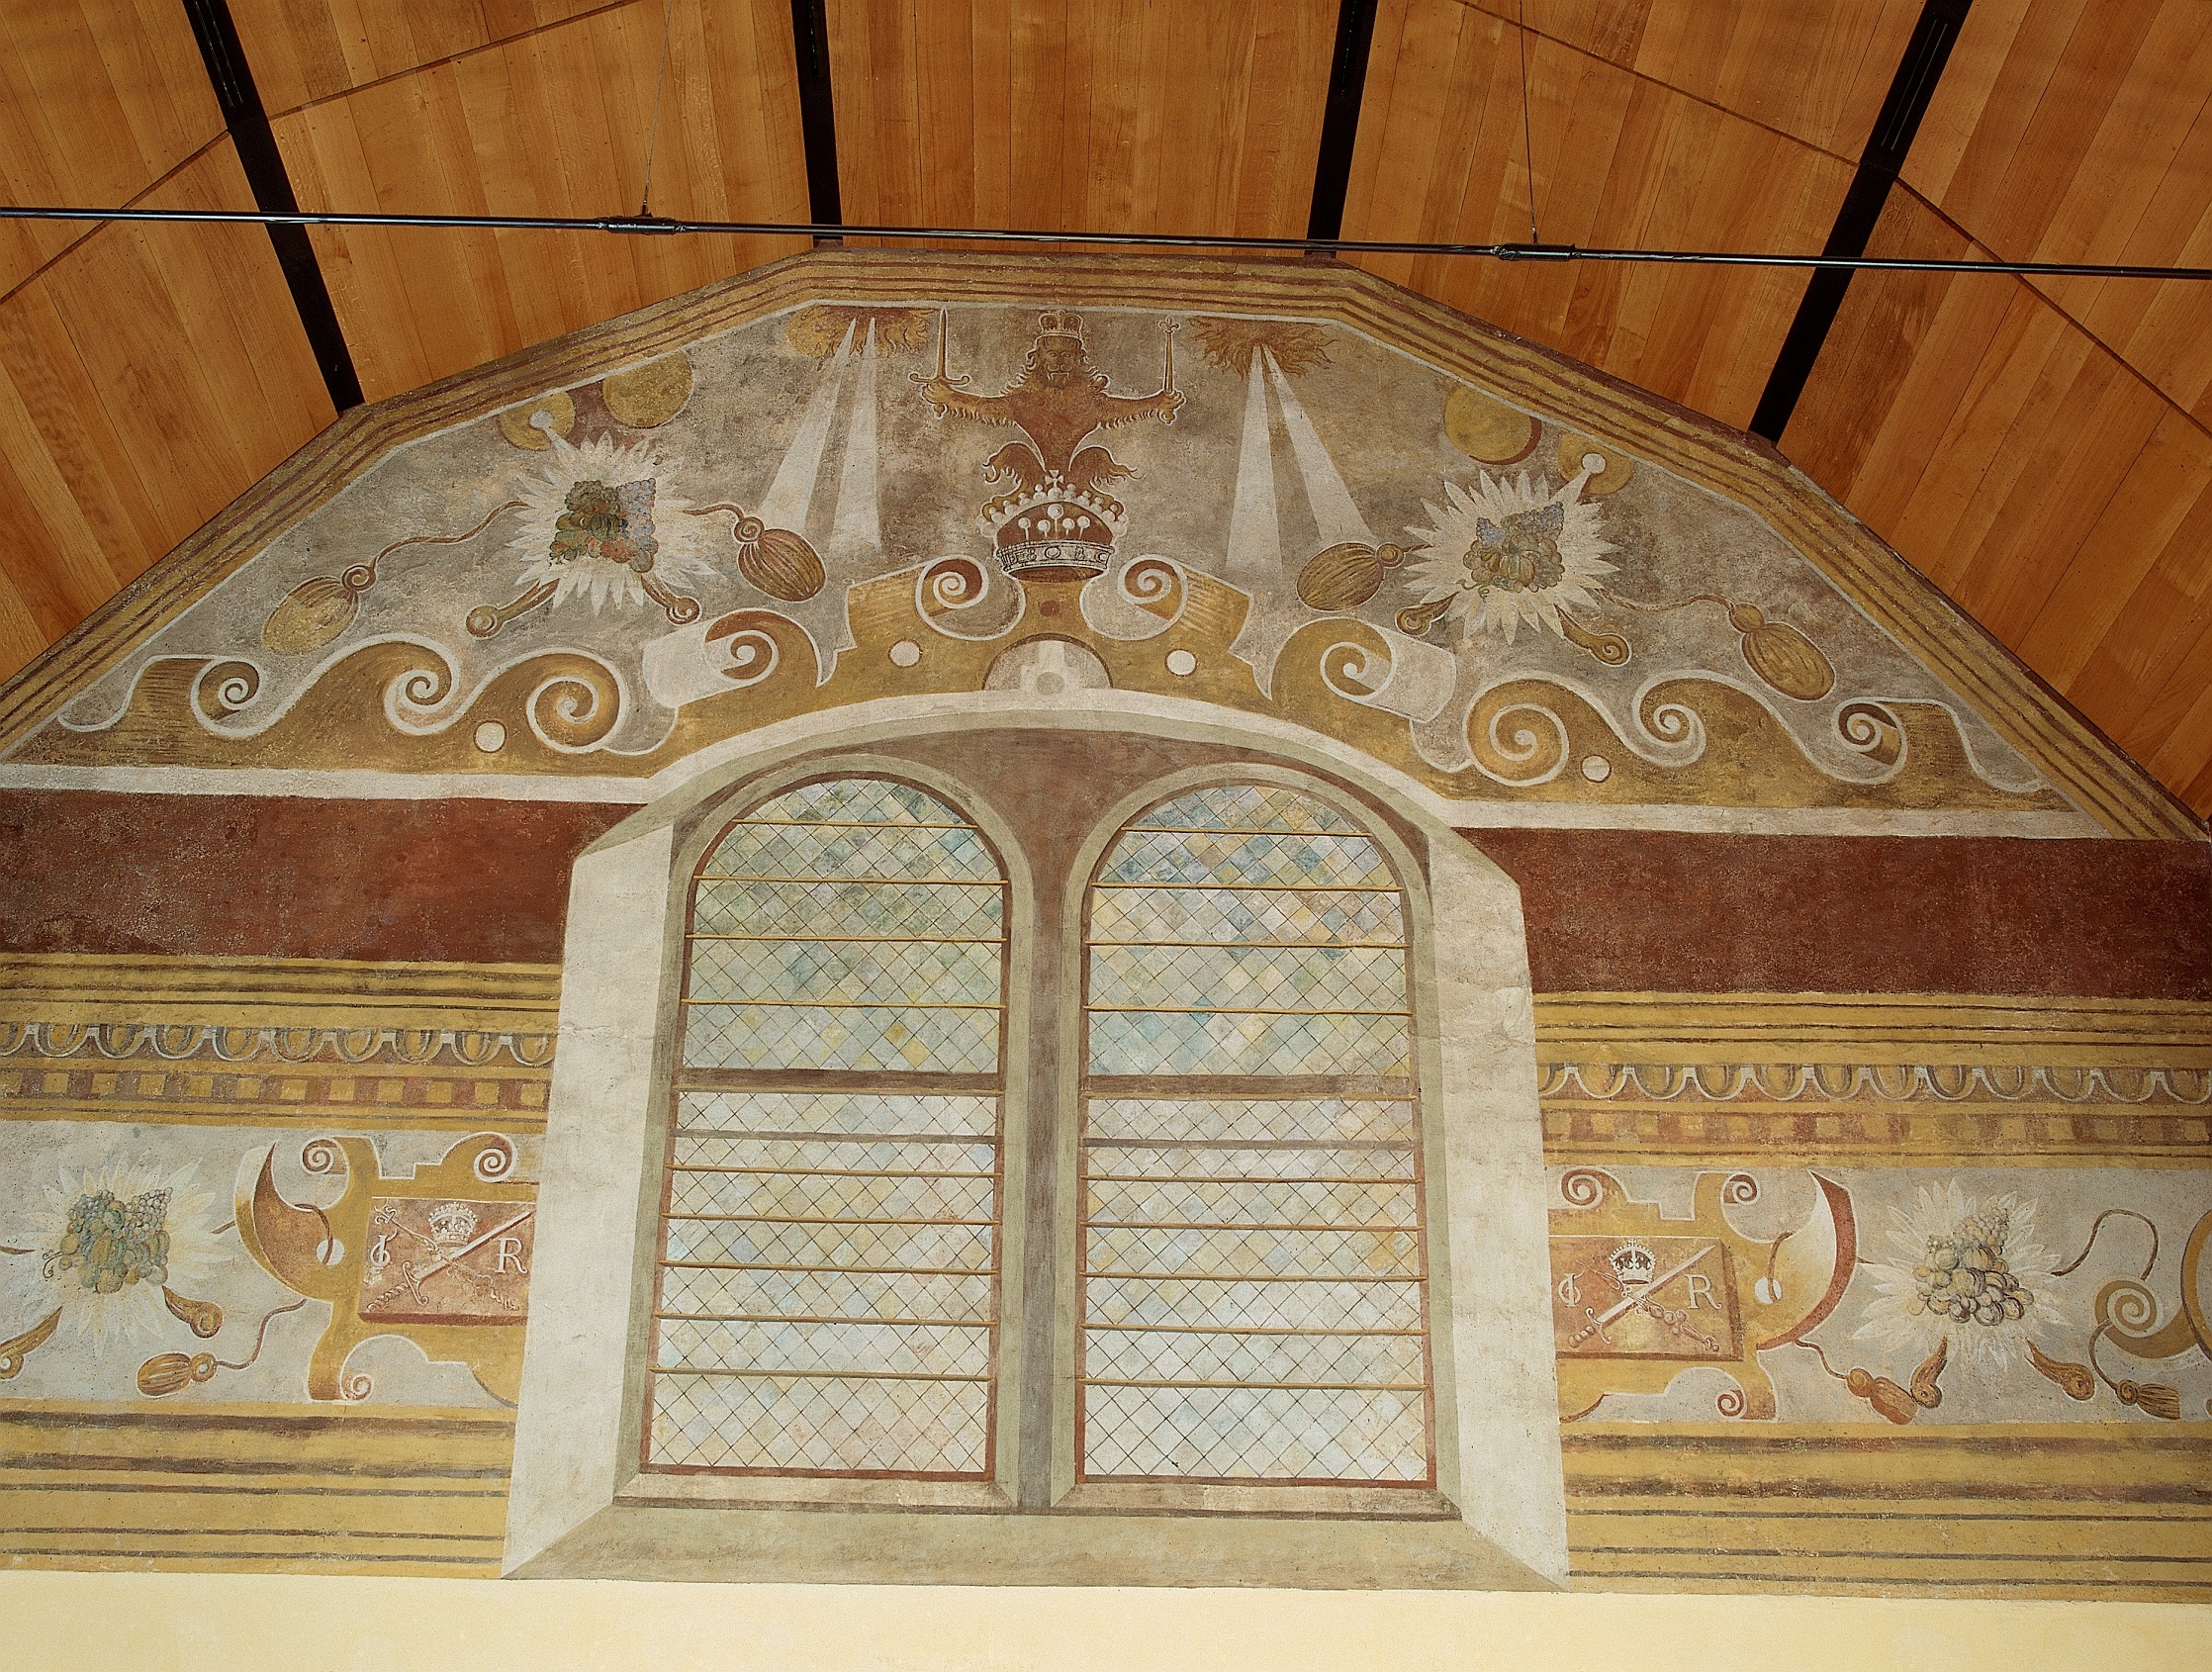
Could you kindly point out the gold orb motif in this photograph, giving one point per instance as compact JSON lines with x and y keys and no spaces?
{"x":1486,"y":429}
{"x":1611,"y":473}
{"x":558,"y":410}
{"x":651,"y":394}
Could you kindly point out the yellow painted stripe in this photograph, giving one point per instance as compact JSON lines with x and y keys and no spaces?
{"x":1849,"y":1028}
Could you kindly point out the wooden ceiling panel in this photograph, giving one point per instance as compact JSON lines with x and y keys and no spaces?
{"x":1621,"y":159}
{"x":2040,"y":448}
{"x":1160,"y":116}
{"x":147,"y":376}
{"x":2027,"y":470}
{"x":554,"y":125}
{"x":2182,"y":713}
{"x":307,"y":49}
{"x":1815,"y":69}
{"x":2066,"y":131}
{"x":99,"y":99}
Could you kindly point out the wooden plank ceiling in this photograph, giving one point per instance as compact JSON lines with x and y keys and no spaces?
{"x":2040,"y":449}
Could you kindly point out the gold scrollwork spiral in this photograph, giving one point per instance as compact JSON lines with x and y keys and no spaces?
{"x":1872,"y":730}
{"x":322,"y":1155}
{"x":1674,"y":723}
{"x":224,"y":688}
{"x":495,"y":1160}
{"x":1153,"y":584}
{"x":1355,"y":671}
{"x":1586,"y":1187}
{"x":416,"y":688}
{"x":747,"y":641}
{"x":575,"y":709}
{"x":1518,"y":741}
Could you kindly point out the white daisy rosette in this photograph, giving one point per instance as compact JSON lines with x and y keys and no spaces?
{"x":649,"y":508}
{"x":1966,"y":1272}
{"x":104,"y":1243}
{"x":1511,"y":551}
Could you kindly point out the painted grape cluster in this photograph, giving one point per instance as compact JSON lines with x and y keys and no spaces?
{"x":1965,"y":1276}
{"x":110,"y":1242}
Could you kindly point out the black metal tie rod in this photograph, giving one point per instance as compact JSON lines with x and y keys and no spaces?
{"x":664,"y":226}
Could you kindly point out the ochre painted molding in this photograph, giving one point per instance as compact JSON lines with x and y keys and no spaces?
{"x":2113,"y":1511}
{"x":2062,"y":745}
{"x":1918,"y":1079}
{"x":1626,"y":1131}
{"x":276,"y":1042}
{"x":281,"y":993}
{"x":1842,"y":1028}
{"x":219,"y":1488}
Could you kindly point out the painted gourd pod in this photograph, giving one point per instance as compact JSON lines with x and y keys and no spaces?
{"x":778,"y":562}
{"x":1345,"y":576}
{"x":1783,"y":655}
{"x":312,"y":615}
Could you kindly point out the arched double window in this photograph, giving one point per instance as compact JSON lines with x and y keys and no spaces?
{"x":827,"y":1287}
{"x":1078,"y":1140}
{"x":1249,"y":1242}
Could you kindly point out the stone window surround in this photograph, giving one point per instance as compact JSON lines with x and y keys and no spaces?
{"x":576,"y":1508}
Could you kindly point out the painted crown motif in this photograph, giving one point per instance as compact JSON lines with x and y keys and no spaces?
{"x":1058,"y":322}
{"x":1634,"y":1265}
{"x":452,"y":1224}
{"x":1048,"y":528}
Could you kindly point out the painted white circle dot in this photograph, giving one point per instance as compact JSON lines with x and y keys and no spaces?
{"x":905,"y":653}
{"x":1595,"y":463}
{"x":1595,"y":768}
{"x":542,"y":420}
{"x":1181,"y":662}
{"x":491,"y":737}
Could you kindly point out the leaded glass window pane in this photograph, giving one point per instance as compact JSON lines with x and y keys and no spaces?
{"x":1254,"y":1304}
{"x":828,"y":1282}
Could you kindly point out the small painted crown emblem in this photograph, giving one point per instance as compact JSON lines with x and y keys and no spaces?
{"x":1058,"y":322}
{"x":452,"y":1224}
{"x":1634,"y":1265}
{"x":1050,"y":528}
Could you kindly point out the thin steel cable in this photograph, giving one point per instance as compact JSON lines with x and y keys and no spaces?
{"x":1527,"y":144}
{"x":653,"y":132}
{"x":655,"y":224}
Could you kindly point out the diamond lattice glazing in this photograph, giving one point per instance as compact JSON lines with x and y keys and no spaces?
{"x":1144,"y":914}
{"x":1257,"y":1434}
{"x":828,"y":1294}
{"x":1262,"y":807}
{"x":1241,"y":1042}
{"x":828,"y":1264}
{"x":1253,"y":1267}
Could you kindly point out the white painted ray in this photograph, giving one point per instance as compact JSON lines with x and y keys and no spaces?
{"x":1255,"y":558}
{"x":856,"y":533}
{"x":792,"y":492}
{"x":1335,"y":515}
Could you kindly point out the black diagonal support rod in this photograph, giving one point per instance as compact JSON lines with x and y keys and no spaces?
{"x":817,"y":115}
{"x":248,"y":123}
{"x":1910,"y":93}
{"x":1339,"y":121}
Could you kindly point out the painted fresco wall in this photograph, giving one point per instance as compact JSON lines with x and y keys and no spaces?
{"x":1868,"y":991}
